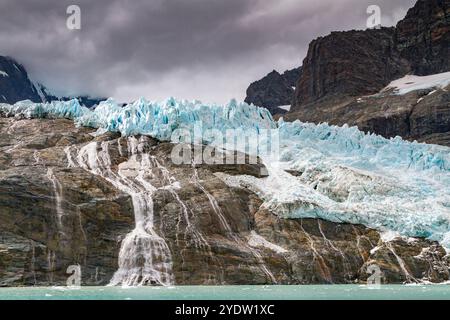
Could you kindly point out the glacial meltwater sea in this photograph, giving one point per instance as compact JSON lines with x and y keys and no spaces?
{"x":307,"y":292}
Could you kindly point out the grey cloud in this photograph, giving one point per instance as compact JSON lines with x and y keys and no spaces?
{"x":205,"y":49}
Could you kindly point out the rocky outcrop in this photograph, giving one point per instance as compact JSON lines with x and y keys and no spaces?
{"x":15,"y":85}
{"x":412,"y":256}
{"x":86,"y":101}
{"x":422,"y":115}
{"x":355,"y":63}
{"x":344,"y":73}
{"x":423,"y":37}
{"x":61,"y":204}
{"x":349,"y":63}
{"x":274,"y":90}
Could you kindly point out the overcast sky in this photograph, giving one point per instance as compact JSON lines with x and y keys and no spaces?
{"x":209,"y":50}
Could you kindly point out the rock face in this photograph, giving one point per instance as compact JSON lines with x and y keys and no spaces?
{"x":348,"y":63}
{"x":14,"y":83}
{"x":15,"y":86}
{"x":60,"y":206}
{"x":344,"y":72}
{"x":423,"y":37}
{"x":422,"y":115}
{"x":356,"y":63}
{"x":274,"y":90}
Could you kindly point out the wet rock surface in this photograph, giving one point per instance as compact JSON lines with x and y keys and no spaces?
{"x":55,"y":213}
{"x":14,"y":82}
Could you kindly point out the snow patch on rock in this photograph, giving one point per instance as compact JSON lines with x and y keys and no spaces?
{"x":287,"y":108}
{"x":411,"y":83}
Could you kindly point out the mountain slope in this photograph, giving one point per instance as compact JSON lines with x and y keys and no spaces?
{"x":344,"y":73}
{"x":15,"y":85}
{"x":274,"y":90}
{"x":423,"y":37}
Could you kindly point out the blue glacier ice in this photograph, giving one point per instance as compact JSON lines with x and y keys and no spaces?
{"x":345,"y":175}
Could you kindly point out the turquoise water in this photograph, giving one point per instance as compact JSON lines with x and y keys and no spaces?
{"x":310,"y":292}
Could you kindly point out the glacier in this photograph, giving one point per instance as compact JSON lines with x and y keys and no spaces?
{"x":321,"y":171}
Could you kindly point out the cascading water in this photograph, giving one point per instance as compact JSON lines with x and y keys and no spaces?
{"x":144,"y":257}
{"x":409,"y":277}
{"x":345,"y":261}
{"x":198,"y":240}
{"x":317,"y":257}
{"x":218,"y":211}
{"x":57,"y":189}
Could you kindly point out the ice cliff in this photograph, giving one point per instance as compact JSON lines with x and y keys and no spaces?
{"x":335,"y":173}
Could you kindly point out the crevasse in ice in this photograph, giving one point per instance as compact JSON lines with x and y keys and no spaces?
{"x":342,"y":174}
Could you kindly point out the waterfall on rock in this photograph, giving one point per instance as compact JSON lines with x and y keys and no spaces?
{"x":144,"y":257}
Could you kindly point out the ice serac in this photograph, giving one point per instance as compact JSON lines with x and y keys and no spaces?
{"x":334,"y":173}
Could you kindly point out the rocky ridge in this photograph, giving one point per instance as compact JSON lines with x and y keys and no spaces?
{"x":274,"y":90}
{"x":344,"y":73}
{"x":15,"y":85}
{"x":355,"y":63}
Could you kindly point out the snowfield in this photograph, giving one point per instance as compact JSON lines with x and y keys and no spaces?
{"x":335,"y":173}
{"x":287,"y":107}
{"x":411,"y":83}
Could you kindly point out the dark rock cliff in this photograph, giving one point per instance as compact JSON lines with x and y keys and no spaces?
{"x":349,"y":63}
{"x":356,"y":63}
{"x":274,"y":90}
{"x":15,"y":85}
{"x":423,"y":37}
{"x":344,"y":72}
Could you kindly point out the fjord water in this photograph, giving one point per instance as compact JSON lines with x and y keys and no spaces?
{"x":307,"y":292}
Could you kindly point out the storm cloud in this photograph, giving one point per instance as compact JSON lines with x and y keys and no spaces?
{"x":209,"y":50}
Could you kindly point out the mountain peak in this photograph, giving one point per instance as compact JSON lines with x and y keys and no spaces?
{"x":16,"y":85}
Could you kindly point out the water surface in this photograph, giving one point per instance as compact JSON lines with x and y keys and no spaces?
{"x":308,"y":292}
